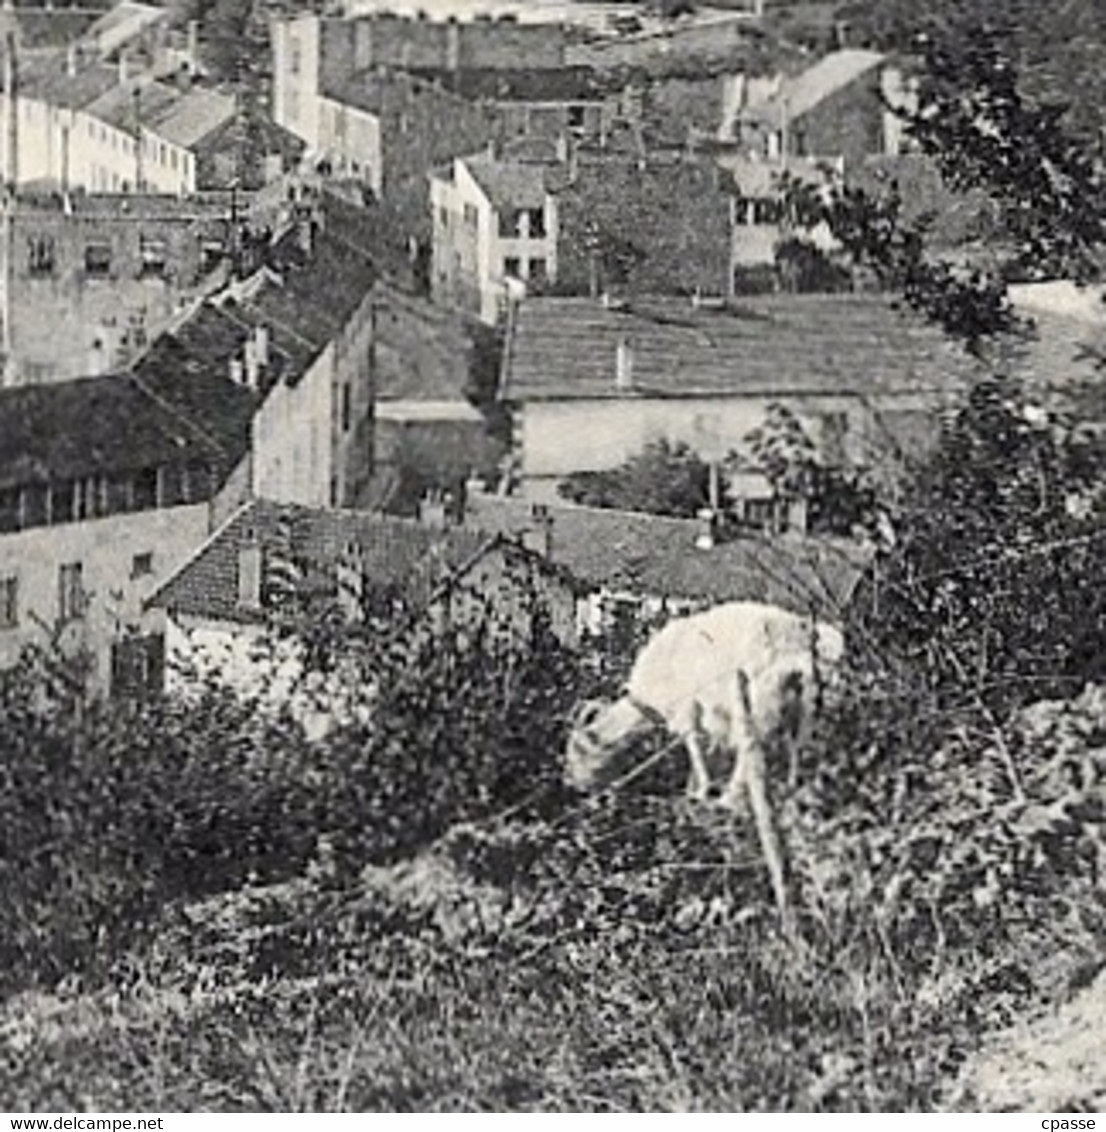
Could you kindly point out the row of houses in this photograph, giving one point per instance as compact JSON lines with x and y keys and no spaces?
{"x":388,"y":100}
{"x":283,"y":406}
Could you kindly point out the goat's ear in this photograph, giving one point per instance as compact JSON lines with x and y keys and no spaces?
{"x":587,"y":713}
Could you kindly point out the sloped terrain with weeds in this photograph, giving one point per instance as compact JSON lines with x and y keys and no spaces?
{"x":200,"y":909}
{"x":518,"y":948}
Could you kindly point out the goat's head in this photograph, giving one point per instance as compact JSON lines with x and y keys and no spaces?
{"x":600,"y":731}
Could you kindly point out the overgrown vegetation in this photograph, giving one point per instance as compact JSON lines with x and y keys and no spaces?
{"x":201,"y":909}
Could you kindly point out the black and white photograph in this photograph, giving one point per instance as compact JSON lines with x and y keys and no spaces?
{"x":552,"y":557}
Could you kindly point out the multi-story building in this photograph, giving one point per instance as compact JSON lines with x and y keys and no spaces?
{"x":88,"y":280}
{"x":73,"y":123}
{"x":593,"y":221}
{"x":104,"y":490}
{"x":494,"y":221}
{"x":310,"y":51}
{"x":842,"y":106}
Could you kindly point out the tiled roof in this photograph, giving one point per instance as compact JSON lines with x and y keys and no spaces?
{"x":508,"y":184}
{"x":557,"y":85}
{"x":786,"y":344}
{"x":90,"y":426}
{"x":183,"y":118}
{"x":806,"y":90}
{"x":47,"y":79}
{"x":119,"y":106}
{"x":655,"y":556}
{"x":399,"y":553}
{"x":192,"y":117}
{"x":123,"y":21}
{"x":51,"y":27}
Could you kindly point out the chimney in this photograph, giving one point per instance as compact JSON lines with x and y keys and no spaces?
{"x":250,"y":363}
{"x":432,"y":510}
{"x":193,"y":44}
{"x":249,"y":574}
{"x":261,"y":344}
{"x":704,"y":529}
{"x":71,"y":60}
{"x":123,"y":68}
{"x":351,"y":583}
{"x":236,"y":370}
{"x":538,"y":537}
{"x":453,"y":47}
{"x":11,"y":87}
{"x":623,"y":365}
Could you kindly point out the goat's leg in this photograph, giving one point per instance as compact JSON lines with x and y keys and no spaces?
{"x":790,"y":744}
{"x":698,"y":782}
{"x":749,"y":771}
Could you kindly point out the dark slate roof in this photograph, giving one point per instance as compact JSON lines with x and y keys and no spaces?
{"x":188,"y":369}
{"x":405,"y":554}
{"x":655,"y":556}
{"x":565,"y":348}
{"x":91,"y":426}
{"x":579,"y":84}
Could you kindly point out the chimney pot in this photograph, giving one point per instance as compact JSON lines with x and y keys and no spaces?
{"x":623,"y":365}
{"x":705,"y":529}
{"x":538,"y":537}
{"x":261,"y":344}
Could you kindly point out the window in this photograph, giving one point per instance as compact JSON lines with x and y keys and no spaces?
{"x":443,"y":216}
{"x":575,"y":117}
{"x":97,"y":260}
{"x":71,"y":596}
{"x":138,"y":665}
{"x":40,"y":255}
{"x":145,"y":489}
{"x":835,"y":428}
{"x":211,"y":255}
{"x":760,"y":513}
{"x":9,"y":509}
{"x":512,"y":267}
{"x":152,"y":257}
{"x":347,"y":407}
{"x":767,"y":211}
{"x":161,"y":153}
{"x":9,"y":603}
{"x":142,"y":564}
{"x":295,"y":57}
{"x":538,"y":271}
{"x":36,"y":505}
{"x":510,"y":223}
{"x":537,"y":223}
{"x":172,"y":159}
{"x":472,"y":216}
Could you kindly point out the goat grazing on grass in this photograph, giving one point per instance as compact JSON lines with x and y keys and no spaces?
{"x":741,"y":678}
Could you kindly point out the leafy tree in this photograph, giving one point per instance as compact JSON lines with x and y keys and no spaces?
{"x":665,"y":479}
{"x":990,"y":596}
{"x":840,"y":500}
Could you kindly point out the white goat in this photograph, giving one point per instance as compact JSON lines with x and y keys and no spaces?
{"x":740,"y":678}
